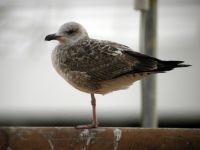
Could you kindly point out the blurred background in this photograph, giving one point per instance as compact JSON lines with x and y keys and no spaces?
{"x":32,"y":93}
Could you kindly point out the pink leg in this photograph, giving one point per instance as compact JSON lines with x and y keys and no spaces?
{"x":94,"y":118}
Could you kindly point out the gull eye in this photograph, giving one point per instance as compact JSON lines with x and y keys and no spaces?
{"x":69,"y":32}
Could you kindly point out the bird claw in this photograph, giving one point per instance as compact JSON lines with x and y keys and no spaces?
{"x":88,"y":126}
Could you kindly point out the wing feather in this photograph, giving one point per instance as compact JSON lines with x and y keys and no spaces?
{"x":105,"y":60}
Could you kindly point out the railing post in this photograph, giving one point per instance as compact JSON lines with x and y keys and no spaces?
{"x":148,"y":9}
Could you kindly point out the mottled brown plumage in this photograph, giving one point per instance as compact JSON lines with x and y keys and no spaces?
{"x":98,"y":66}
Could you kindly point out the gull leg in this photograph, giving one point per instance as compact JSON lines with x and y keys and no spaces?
{"x":94,"y":117}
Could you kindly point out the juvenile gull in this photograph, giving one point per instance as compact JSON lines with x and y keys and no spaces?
{"x":98,"y":66}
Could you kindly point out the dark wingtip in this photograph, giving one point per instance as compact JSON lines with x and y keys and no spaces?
{"x":184,"y":65}
{"x":180,"y":64}
{"x":169,"y":65}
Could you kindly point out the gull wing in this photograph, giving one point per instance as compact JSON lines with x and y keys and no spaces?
{"x":105,"y":60}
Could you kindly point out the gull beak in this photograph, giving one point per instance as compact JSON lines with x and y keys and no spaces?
{"x":51,"y":37}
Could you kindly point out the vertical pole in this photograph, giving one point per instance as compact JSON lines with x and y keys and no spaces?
{"x":148,"y":26}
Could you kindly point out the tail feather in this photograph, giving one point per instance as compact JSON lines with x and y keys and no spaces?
{"x":169,"y":65}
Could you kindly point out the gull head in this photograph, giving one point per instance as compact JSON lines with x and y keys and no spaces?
{"x":68,"y":33}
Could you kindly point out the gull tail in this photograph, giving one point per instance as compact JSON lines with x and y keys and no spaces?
{"x":169,"y":65}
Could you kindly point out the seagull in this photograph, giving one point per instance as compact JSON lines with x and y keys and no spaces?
{"x":99,"y":66}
